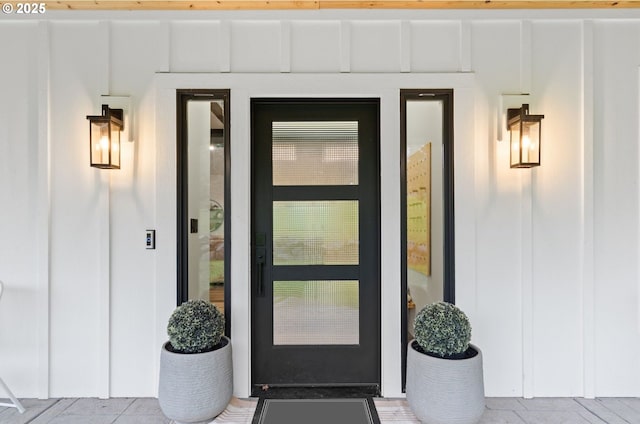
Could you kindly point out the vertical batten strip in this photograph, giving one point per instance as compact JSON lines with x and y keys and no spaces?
{"x":405,"y":46}
{"x":526,"y":267}
{"x":104,"y":29}
{"x":526,"y":63}
{"x":285,"y":46}
{"x":225,"y":46}
{"x":638,"y":246}
{"x":588,"y":222}
{"x":43,"y":214}
{"x":465,"y":46}
{"x":637,"y":263}
{"x":345,"y":46}
{"x":165,"y":64}
{"x":526,"y":237}
{"x":104,"y":241}
{"x":104,"y":289}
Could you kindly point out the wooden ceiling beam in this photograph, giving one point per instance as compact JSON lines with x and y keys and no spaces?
{"x":329,"y":4}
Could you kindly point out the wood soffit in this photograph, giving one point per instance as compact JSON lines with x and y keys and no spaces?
{"x":329,"y":4}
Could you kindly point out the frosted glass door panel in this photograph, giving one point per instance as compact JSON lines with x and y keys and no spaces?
{"x":315,"y":232}
{"x":316,"y":312}
{"x":315,"y":153}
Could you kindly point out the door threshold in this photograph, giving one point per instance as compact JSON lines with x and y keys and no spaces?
{"x":315,"y":392}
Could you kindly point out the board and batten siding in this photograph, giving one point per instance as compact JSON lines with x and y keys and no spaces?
{"x":546,"y":260}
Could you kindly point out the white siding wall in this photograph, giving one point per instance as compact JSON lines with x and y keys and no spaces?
{"x":20,"y":238}
{"x":616,"y":205}
{"x":550,"y":278}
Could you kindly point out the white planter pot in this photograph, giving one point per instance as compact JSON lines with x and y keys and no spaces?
{"x":445,"y":391}
{"x":195,"y":387}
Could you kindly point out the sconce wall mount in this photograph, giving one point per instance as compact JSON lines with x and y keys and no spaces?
{"x":525,"y":136}
{"x":104,"y":138}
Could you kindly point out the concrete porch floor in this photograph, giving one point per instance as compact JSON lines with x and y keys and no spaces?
{"x":499,"y":411}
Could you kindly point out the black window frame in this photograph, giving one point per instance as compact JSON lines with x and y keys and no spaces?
{"x":182,"y":97}
{"x":446,"y":96}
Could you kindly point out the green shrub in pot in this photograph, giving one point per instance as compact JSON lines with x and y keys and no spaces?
{"x":442,"y":329}
{"x":195,"y":326}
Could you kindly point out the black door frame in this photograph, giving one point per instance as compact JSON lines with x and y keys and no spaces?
{"x":284,"y":191}
{"x":446,"y":96}
{"x":182,"y":164}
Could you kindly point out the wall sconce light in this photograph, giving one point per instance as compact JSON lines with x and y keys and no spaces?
{"x":104,"y":138}
{"x":525,"y":137}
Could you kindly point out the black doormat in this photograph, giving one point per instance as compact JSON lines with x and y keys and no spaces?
{"x":334,"y":405}
{"x":316,"y":411}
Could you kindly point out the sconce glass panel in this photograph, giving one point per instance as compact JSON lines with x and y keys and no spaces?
{"x":115,"y":146}
{"x":514,"y":130}
{"x":531,"y":142}
{"x":100,"y":143}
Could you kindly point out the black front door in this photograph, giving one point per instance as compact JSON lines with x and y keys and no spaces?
{"x":316,"y":242}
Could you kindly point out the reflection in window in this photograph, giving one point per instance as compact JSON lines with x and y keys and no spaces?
{"x":419,"y":210}
{"x":424,"y":205}
{"x":206,"y":200}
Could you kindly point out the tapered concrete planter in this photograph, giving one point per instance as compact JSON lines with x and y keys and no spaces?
{"x":195,"y":387}
{"x":445,"y":391}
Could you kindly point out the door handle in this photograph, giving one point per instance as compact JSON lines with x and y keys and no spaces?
{"x":260,"y":261}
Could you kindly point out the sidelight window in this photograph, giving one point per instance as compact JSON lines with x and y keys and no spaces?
{"x":203,"y":197}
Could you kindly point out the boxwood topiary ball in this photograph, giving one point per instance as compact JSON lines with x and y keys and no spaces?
{"x":442,"y":329}
{"x":195,"y":326}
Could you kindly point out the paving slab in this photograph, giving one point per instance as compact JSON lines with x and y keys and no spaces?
{"x":500,"y":417}
{"x":550,"y":404}
{"x":622,"y":407}
{"x":144,"y":406}
{"x":33,"y":409}
{"x":554,"y":417}
{"x":142,"y":419}
{"x":633,"y":403}
{"x":596,"y":407}
{"x":53,"y":411}
{"x":509,"y":404}
{"x":84,"y":419}
{"x":93,"y":406}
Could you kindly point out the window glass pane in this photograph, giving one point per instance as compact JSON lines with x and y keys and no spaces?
{"x":315,"y":153}
{"x":424,"y":132}
{"x":315,"y":232}
{"x":206,"y":173}
{"x":316,"y":312}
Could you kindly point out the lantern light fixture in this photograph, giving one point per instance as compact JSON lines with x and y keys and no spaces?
{"x":525,"y":137}
{"x":104,"y":138}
